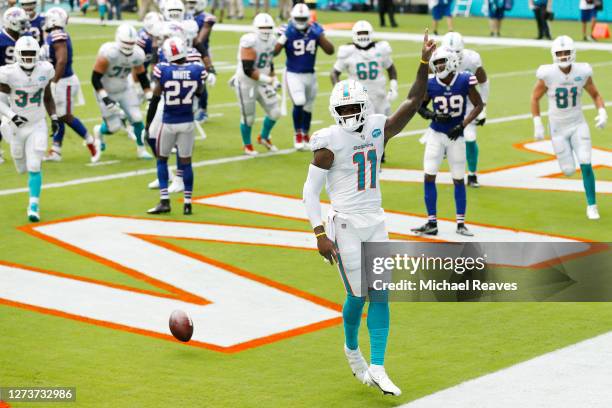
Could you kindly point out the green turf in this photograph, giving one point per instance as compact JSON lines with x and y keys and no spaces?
{"x":432,"y":346}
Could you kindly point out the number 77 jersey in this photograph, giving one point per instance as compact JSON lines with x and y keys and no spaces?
{"x":179,"y":84}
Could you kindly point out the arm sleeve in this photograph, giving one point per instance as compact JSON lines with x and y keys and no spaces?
{"x":311,"y":194}
{"x":96,"y":80}
{"x":144,"y":80}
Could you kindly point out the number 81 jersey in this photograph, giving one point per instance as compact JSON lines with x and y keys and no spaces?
{"x":120,"y":66}
{"x":564,"y":92}
{"x":27,"y":91}
{"x":264,"y":54}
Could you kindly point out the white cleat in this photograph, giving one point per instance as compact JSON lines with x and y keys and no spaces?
{"x":142,"y":153}
{"x":358,"y":364}
{"x":267,"y":143}
{"x":33,"y":213}
{"x":98,"y":146}
{"x":99,"y":137}
{"x":249,"y":151}
{"x":592,"y":212}
{"x":177,"y":185}
{"x":377,"y":377}
{"x":154,"y":185}
{"x":52,"y":156}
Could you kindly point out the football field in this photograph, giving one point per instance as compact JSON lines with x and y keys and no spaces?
{"x":95,"y":279}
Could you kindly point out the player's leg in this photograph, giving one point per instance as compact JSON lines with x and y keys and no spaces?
{"x":312,"y":87}
{"x":563,"y":150}
{"x":471,"y":150}
{"x":456,"y":155}
{"x":434,"y":154}
{"x":297,"y":93}
{"x":581,"y":145}
{"x":111,"y":122}
{"x":166,"y":140}
{"x":246,"y":94}
{"x":35,"y":148}
{"x":129,"y":103}
{"x":268,"y":99}
{"x":184,"y":143}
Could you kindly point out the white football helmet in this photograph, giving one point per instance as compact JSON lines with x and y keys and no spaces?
{"x":174,"y":10}
{"x":174,"y":49}
{"x":190,"y":30}
{"x":27,"y":52}
{"x":444,"y":56}
{"x":126,"y":37}
{"x":300,"y":14}
{"x":349,"y":92}
{"x":17,"y":20}
{"x":563,"y":43}
{"x":200,"y":5}
{"x":55,"y":17}
{"x":264,"y":26}
{"x":29,"y":6}
{"x":454,"y":42}
{"x":153,"y":23}
{"x":362,"y":33}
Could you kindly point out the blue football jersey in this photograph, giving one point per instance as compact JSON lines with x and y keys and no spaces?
{"x":145,"y":41}
{"x":55,"y":36}
{"x":301,"y":47}
{"x":179,"y":84}
{"x":450,"y":99}
{"x":7,"y":48}
{"x":36,"y":28}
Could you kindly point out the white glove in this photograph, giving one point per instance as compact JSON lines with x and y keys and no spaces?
{"x":601,"y":119}
{"x":148,"y":95}
{"x":211,"y":79}
{"x":266,"y":79}
{"x":276,"y":84}
{"x":538,"y":128}
{"x":482,"y":117}
{"x":232,"y":82}
{"x":392,"y":94}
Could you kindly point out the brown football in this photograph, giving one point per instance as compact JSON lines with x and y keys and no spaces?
{"x":181,"y":326}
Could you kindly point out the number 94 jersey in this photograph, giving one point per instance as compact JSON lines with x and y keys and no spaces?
{"x":564,"y":92}
{"x":264,"y":51}
{"x":120,"y":66}
{"x":365,"y":65}
{"x":450,"y":99}
{"x":352,"y":181}
{"x":27,"y":91}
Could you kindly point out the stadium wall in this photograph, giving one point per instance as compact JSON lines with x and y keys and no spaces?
{"x":563,"y":9}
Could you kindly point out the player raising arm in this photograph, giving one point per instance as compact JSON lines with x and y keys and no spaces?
{"x":563,"y":82}
{"x":347,"y":159}
{"x":25,"y":94}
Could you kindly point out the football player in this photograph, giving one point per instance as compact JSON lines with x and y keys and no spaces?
{"x":448,"y":90}
{"x":25,"y":95}
{"x":115,"y":61}
{"x":470,"y":61}
{"x":65,"y":85}
{"x":255,"y":82}
{"x":178,"y":81}
{"x":152,"y":26}
{"x":564,"y":81}
{"x":300,"y":41}
{"x":364,"y":61}
{"x":37,"y":20}
{"x":347,"y":160}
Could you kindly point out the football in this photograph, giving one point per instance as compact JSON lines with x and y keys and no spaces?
{"x":181,"y":326}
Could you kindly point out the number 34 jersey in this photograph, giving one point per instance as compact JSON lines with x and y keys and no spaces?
{"x":564,"y":92}
{"x":365,"y":65}
{"x":263,"y":58}
{"x":179,"y":83}
{"x":352,"y":181}
{"x":450,"y":99}
{"x":120,"y":66}
{"x":27,"y":91}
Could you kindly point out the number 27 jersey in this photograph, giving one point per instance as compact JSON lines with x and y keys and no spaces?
{"x":179,"y":84}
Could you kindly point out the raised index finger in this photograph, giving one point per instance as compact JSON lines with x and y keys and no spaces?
{"x":426,"y":38}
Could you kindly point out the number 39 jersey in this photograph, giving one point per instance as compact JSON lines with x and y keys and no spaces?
{"x":365,"y":65}
{"x":450,"y":99}
{"x":120,"y":65}
{"x":27,"y":91}
{"x":352,"y":181}
{"x":264,"y":51}
{"x":564,"y":92}
{"x":179,"y":84}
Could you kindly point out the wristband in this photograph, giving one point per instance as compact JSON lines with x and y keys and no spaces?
{"x":424,"y":62}
{"x":102,"y":93}
{"x":537,"y":121}
{"x":320,"y":234}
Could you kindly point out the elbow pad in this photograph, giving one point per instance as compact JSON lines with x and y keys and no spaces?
{"x":248,"y":67}
{"x":96,"y":80}
{"x":484,"y":91}
{"x":311,"y":194}
{"x":144,"y":80}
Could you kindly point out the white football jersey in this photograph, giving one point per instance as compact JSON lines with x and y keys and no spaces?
{"x":470,"y":61}
{"x":366,"y":66}
{"x":264,"y":51}
{"x":564,"y":92}
{"x":28,"y":91}
{"x":353,"y":183}
{"x":120,"y":66}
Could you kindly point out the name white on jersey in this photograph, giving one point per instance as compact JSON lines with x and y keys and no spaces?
{"x":120,"y":66}
{"x":366,"y":66}
{"x":264,"y":54}
{"x":28,"y":91}
{"x":353,"y":183}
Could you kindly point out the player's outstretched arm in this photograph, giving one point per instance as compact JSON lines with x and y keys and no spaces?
{"x":141,"y":74}
{"x":398,"y":120}
{"x":326,"y":45}
{"x":99,"y":69}
{"x":602,"y":116}
{"x":483,"y":90}
{"x":538,"y":91}
{"x":317,"y":174}
{"x":155,"y":98}
{"x":61,"y":59}
{"x":478,"y":104}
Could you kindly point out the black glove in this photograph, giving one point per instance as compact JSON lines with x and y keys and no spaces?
{"x":441,"y":117}
{"x":19,"y":121}
{"x":481,"y":122}
{"x":55,"y":124}
{"x":456,"y":132}
{"x":426,"y":113}
{"x":108,"y":102}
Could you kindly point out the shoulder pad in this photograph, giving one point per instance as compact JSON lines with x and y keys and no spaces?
{"x":345,"y":51}
{"x":320,"y":139}
{"x":384,"y":47}
{"x":109,"y":50}
{"x":248,"y":40}
{"x":586,"y":68}
{"x":138,"y":57}
{"x":543,"y":71}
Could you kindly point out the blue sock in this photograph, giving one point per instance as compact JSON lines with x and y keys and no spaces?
{"x":34,"y":183}
{"x":104,"y":128}
{"x":431,"y":199}
{"x":460,"y":201}
{"x":78,"y":127}
{"x":588,"y":179}
{"x":138,"y":128}
{"x":268,"y":124}
{"x":471,"y":150}
{"x":188,"y":181}
{"x":306,"y":121}
{"x":298,"y":118}
{"x":378,"y":327}
{"x":58,"y":138}
{"x":351,"y":315}
{"x":204,"y":99}
{"x":162,"y":176}
{"x":245,"y":131}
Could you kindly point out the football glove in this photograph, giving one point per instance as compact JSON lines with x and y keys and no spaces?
{"x":392,"y":94}
{"x":456,"y":132}
{"x":482,"y":117}
{"x":276,"y":84}
{"x":211,"y":79}
{"x":538,"y":128}
{"x":110,"y":104}
{"x":55,"y":124}
{"x":19,"y":121}
{"x":148,"y":95}
{"x":601,"y":119}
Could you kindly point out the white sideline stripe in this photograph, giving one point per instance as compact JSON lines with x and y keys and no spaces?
{"x":574,"y":376}
{"x":514,"y":42}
